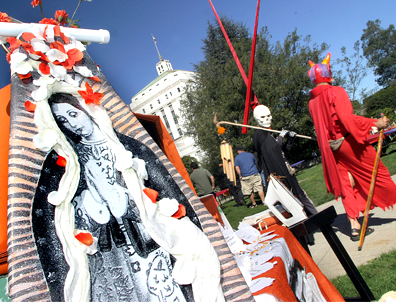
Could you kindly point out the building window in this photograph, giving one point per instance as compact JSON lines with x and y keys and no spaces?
{"x":170,"y":93}
{"x":166,"y":96}
{"x":178,"y":89}
{"x":144,"y":110}
{"x":173,"y":114}
{"x":180,"y":131}
{"x":165,"y":119}
{"x":151,"y":106}
{"x":159,"y":102}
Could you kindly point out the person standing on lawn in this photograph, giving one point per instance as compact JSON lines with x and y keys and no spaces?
{"x":235,"y":190}
{"x":348,"y":158}
{"x":203,"y":181}
{"x":245,"y":166}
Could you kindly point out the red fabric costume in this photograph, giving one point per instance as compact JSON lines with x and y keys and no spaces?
{"x":333,"y":117}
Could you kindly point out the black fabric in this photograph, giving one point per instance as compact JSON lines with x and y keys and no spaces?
{"x":271,"y":161}
{"x":47,"y":242}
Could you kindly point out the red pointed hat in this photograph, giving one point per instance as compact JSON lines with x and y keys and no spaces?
{"x":320,"y":72}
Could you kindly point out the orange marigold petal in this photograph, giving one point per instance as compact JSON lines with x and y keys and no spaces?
{"x":29,"y":106}
{"x":95,"y":78}
{"x":61,"y":161}
{"x":84,"y":238}
{"x":221,"y":130}
{"x":75,"y":54}
{"x":181,"y":212}
{"x":24,"y":76}
{"x":28,"y":36}
{"x":44,"y":68}
{"x":152,"y":194}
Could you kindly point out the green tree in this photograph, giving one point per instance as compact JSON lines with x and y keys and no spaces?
{"x":355,"y":69}
{"x":379,"y":48}
{"x":378,"y":102}
{"x":280,"y":82}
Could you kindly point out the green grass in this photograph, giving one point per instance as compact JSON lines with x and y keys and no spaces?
{"x":379,"y":275}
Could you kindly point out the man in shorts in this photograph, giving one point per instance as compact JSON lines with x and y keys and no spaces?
{"x":245,"y":166}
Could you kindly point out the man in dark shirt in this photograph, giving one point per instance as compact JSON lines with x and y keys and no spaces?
{"x":203,"y":181}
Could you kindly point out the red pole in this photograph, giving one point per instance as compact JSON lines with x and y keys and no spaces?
{"x":241,"y":70}
{"x":251,"y":68}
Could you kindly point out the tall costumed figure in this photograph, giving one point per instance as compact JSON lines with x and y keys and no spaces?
{"x":348,"y":158}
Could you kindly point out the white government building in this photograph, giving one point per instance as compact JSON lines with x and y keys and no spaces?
{"x":162,"y":97}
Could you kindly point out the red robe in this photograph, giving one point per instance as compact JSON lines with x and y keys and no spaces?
{"x":332,"y":114}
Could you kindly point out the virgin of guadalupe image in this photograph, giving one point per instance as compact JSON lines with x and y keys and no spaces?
{"x":108,"y":221}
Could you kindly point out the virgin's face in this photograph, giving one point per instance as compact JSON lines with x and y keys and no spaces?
{"x":73,"y":119}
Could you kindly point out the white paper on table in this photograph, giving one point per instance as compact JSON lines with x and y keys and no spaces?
{"x":247,"y":236}
{"x":233,"y":241}
{"x":267,"y":233}
{"x":261,"y":269}
{"x":255,"y":246}
{"x":260,"y":283}
{"x":260,"y":259}
{"x":243,"y":263}
{"x":269,"y":237}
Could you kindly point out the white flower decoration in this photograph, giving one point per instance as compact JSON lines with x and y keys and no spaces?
{"x":56,"y":55}
{"x":83,"y":70}
{"x":19,"y":64}
{"x":45,"y":90}
{"x":168,"y":207}
{"x":39,"y":45}
{"x":45,"y":139}
{"x":56,"y":198}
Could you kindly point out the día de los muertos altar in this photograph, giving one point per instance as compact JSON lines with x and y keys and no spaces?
{"x":96,"y":210}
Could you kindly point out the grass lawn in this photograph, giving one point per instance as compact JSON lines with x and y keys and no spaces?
{"x":379,"y":275}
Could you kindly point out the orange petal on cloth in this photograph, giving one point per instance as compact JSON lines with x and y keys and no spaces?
{"x":44,"y":68}
{"x":58,"y":45}
{"x":24,"y":76}
{"x":95,"y":78}
{"x":152,"y":194}
{"x":61,"y":161}
{"x":75,"y":54}
{"x":14,"y":42}
{"x":180,"y":213}
{"x":29,"y":106}
{"x":89,"y":96}
{"x":28,"y":36}
{"x":57,"y":32}
{"x":84,"y":238}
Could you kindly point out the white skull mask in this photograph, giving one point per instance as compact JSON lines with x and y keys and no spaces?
{"x":262,"y":115}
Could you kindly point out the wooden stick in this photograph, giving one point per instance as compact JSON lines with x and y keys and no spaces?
{"x":255,"y":127}
{"x":372,"y":186}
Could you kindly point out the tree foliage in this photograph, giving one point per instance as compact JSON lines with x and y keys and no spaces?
{"x":380,"y":101}
{"x":280,"y":82}
{"x":356,"y":70}
{"x":379,"y":48}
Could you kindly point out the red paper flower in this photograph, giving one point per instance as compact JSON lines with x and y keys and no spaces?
{"x":48,"y":21}
{"x":180,"y":213}
{"x":29,"y":106}
{"x":84,"y":238}
{"x":36,"y":2}
{"x":4,"y":17}
{"x":89,"y":96}
{"x":61,"y":16}
{"x":61,"y":161}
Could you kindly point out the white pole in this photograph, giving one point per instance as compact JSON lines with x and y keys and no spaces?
{"x":101,"y":36}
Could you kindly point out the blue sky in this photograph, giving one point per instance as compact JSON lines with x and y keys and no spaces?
{"x":179,"y":27}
